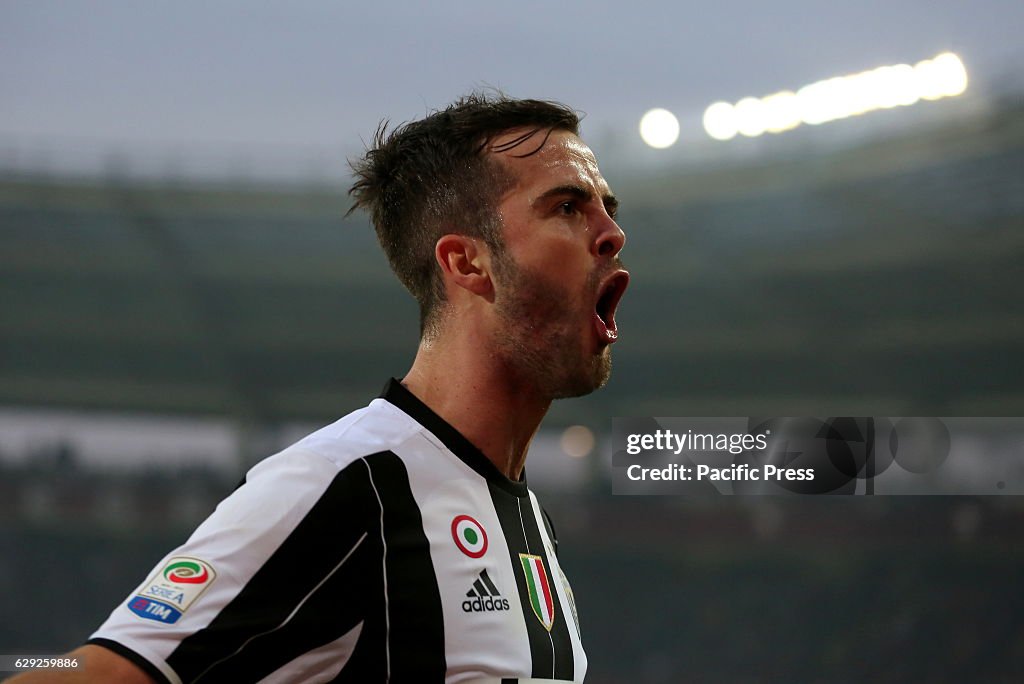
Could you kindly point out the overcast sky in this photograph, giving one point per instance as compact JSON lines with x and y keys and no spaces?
{"x":311,"y":73}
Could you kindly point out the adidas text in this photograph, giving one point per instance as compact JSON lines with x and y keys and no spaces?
{"x":479,"y":605}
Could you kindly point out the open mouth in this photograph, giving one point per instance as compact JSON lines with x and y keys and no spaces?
{"x":604,"y":312}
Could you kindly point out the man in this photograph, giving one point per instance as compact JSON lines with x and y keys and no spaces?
{"x":401,"y":543}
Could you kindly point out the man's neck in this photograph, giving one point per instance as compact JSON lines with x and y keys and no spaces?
{"x":465,"y":386}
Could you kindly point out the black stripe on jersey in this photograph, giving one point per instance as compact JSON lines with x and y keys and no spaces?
{"x":551,"y":652}
{"x":415,"y":622}
{"x":324,"y":556}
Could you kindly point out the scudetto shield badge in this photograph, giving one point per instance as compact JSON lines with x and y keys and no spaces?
{"x":539,"y":587}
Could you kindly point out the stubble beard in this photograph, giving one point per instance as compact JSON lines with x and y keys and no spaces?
{"x":540,"y":342}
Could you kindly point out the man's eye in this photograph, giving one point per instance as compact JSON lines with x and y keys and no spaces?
{"x":567,"y":208}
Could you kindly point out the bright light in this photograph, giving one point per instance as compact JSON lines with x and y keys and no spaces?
{"x":750,"y":117}
{"x":840,"y":97}
{"x":659,"y":128}
{"x":930,"y":79}
{"x":577,"y":441}
{"x":897,"y":86}
{"x":782,"y":111}
{"x":953,"y":74}
{"x":862,"y":91}
{"x":720,"y":121}
{"x":816,"y":102}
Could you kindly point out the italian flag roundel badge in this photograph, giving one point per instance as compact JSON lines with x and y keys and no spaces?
{"x":469,"y":536}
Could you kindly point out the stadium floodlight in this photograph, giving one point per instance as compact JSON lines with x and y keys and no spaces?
{"x":659,"y":128}
{"x":897,"y":86}
{"x":782,"y":111}
{"x":840,"y":97}
{"x":751,"y":119}
{"x":720,"y":121}
{"x":943,"y":76}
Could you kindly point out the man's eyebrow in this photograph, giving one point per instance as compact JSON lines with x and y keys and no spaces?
{"x":611,"y":202}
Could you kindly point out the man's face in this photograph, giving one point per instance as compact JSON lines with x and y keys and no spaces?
{"x":559,"y":279}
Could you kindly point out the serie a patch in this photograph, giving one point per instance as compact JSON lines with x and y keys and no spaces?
{"x":172,"y":589}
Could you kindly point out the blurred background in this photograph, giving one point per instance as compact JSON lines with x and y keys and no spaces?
{"x":827,"y":219}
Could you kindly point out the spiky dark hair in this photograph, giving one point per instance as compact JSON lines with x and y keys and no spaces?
{"x":432,"y":177}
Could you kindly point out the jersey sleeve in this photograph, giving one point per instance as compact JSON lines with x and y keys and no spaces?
{"x":245,"y":572}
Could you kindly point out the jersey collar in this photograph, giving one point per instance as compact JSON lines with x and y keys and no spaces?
{"x":395,"y":393}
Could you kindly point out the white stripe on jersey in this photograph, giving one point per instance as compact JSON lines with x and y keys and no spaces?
{"x":496,"y":640}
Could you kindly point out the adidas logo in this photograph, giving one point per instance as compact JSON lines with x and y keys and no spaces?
{"x":484,"y":596}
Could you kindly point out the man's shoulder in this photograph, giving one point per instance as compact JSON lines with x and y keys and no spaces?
{"x":378,"y":427}
{"x":315,"y":464}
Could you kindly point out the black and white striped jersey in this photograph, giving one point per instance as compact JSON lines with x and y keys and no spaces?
{"x":383,"y":547}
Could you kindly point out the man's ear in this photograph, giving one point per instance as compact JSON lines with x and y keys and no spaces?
{"x":465,"y":262}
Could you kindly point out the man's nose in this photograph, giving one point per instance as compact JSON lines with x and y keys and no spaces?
{"x":609,"y":240}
